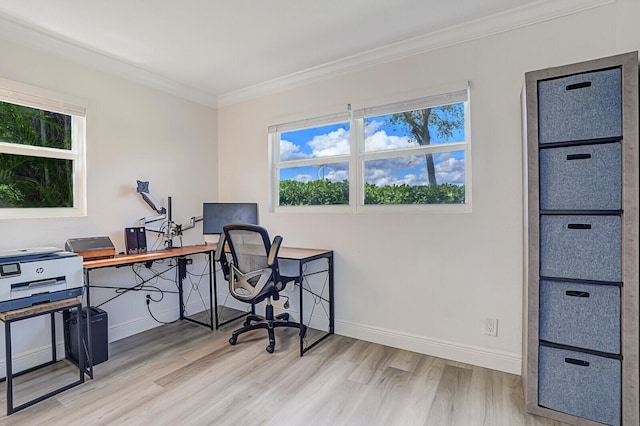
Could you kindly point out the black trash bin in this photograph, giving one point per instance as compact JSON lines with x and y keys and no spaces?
{"x":99,"y":335}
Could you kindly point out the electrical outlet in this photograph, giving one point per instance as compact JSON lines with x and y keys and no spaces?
{"x":491,"y":327}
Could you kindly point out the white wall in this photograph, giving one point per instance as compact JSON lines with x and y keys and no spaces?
{"x":133,"y":132}
{"x":419,"y":281}
{"x":424,"y":281}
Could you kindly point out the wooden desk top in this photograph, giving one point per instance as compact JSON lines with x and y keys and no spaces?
{"x":295,"y":253}
{"x":37,"y":309}
{"x":288,"y":253}
{"x":127,"y":259}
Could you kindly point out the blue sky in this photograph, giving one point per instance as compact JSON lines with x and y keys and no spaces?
{"x":333,"y":139}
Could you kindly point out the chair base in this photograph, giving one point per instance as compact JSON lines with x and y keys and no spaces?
{"x":268,"y":322}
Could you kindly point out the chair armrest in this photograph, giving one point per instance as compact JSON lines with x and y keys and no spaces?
{"x":273,"y":253}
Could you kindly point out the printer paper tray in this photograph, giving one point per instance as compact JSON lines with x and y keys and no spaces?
{"x":36,"y":299}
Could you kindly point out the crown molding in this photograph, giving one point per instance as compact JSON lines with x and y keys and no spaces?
{"x":544,"y":10}
{"x":519,"y":17}
{"x":23,"y":33}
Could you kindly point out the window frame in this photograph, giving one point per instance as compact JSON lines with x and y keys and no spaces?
{"x":461,"y":95}
{"x":276,"y":165}
{"x":35,"y":97}
{"x":456,"y":93}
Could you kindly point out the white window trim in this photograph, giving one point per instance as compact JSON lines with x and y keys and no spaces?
{"x":275,"y":164}
{"x":35,"y":97}
{"x":455,"y":96}
{"x":456,"y":93}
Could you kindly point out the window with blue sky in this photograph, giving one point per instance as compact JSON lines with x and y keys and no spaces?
{"x":409,"y":153}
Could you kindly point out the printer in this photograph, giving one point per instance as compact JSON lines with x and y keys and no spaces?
{"x":38,"y":275}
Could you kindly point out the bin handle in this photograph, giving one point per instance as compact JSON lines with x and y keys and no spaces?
{"x":575,"y":293}
{"x":579,"y":85}
{"x":579,"y":226}
{"x":579,"y":362}
{"x":578,"y":157}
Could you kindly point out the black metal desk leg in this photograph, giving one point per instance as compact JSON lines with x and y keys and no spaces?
{"x":8,"y":362}
{"x":54,"y":351}
{"x":80,"y":351}
{"x":331,"y":305}
{"x":182,"y":272}
{"x":215,"y":297}
{"x":210,"y":257}
{"x":301,"y":286}
{"x":88,"y":322}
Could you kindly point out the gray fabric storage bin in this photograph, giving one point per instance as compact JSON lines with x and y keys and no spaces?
{"x":585,"y":177}
{"x":581,"y":247}
{"x":581,"y":315}
{"x":580,"y":107}
{"x":584,"y":385}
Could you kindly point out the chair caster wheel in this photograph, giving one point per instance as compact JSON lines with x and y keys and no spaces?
{"x":270,"y":349}
{"x":233,"y":340}
{"x":246,"y":323}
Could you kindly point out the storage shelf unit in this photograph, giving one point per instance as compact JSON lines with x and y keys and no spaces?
{"x":581,"y":341}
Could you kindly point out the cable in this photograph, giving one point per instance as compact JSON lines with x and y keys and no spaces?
{"x":149,"y":300}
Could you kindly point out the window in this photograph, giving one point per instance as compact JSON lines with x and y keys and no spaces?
{"x":411,"y":153}
{"x":416,"y":152}
{"x":42,"y":170}
{"x":312,"y":162}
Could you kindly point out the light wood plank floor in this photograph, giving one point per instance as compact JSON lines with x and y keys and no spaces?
{"x":184,"y":374}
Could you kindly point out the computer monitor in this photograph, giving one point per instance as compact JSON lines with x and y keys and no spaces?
{"x":217,"y":215}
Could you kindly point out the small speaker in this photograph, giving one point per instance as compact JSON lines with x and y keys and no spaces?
{"x":135,"y":240}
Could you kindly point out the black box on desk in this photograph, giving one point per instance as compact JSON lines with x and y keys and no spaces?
{"x":99,"y":335}
{"x":135,"y":240}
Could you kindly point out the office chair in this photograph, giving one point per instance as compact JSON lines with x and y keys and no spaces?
{"x":254,"y":276}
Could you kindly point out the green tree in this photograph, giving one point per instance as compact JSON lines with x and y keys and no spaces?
{"x":31,"y":181}
{"x":444,"y":120}
{"x":325,"y":192}
{"x":313,"y":193}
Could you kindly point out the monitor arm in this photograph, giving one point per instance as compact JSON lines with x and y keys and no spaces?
{"x":143,"y":190}
{"x":192,"y":223}
{"x":171,"y":229}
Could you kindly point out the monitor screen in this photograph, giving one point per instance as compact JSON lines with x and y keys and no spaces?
{"x":217,"y":215}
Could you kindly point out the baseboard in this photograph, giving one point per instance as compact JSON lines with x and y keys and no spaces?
{"x":146,"y":322}
{"x":31,"y":358}
{"x":482,"y":357}
{"x":42,"y":354}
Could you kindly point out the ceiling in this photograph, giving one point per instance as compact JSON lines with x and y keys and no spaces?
{"x":206,"y":49}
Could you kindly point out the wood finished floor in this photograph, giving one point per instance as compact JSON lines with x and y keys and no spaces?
{"x":184,"y":374}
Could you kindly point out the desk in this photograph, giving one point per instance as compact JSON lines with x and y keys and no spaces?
{"x":322,"y":296}
{"x":302,"y":256}
{"x":179,"y":254}
{"x":51,"y":308}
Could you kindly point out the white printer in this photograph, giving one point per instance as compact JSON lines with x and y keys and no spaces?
{"x":38,"y":275}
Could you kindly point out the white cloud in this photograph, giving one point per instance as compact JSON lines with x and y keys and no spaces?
{"x":385,"y":172}
{"x":380,"y":141}
{"x":449,"y":169}
{"x":390,"y":171}
{"x":303,"y":178}
{"x":371,"y":127}
{"x":337,"y":175}
{"x":290,"y":151}
{"x":332,"y":143}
